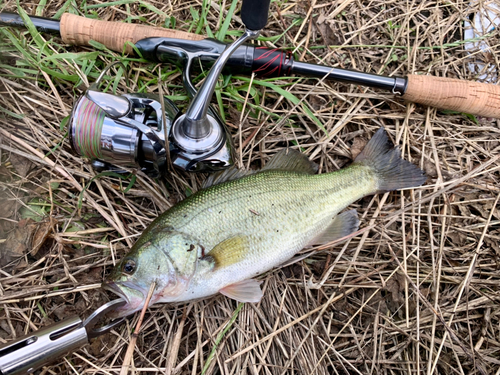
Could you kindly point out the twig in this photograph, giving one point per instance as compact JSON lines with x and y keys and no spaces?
{"x":174,"y":349}
{"x":135,"y":334}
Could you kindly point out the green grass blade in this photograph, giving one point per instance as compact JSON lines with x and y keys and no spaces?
{"x":203,"y":17}
{"x":31,"y":28}
{"x":62,"y":10}
{"x":145,"y":4}
{"x":289,"y":96}
{"x":40,"y":7}
{"x":73,"y":56}
{"x":221,"y":34}
{"x":219,"y":338}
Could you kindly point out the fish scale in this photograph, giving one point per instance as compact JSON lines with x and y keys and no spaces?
{"x":218,"y":239}
{"x":275,"y":195}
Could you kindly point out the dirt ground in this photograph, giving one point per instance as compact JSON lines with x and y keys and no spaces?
{"x":416,"y":292}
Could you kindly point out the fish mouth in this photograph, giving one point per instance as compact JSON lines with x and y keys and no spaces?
{"x":134,"y":301}
{"x":112,"y":287}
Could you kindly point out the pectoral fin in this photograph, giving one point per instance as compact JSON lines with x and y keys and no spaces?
{"x":244,"y":291}
{"x":341,"y":226}
{"x":229,"y":251}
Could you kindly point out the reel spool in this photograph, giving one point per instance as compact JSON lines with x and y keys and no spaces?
{"x":120,"y":141}
{"x":126,"y":130}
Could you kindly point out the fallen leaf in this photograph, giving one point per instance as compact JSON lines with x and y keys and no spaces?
{"x":358,"y":144}
{"x":7,"y":207}
{"x":395,"y":296}
{"x":302,"y":7}
{"x":457,"y":238}
{"x":5,"y":174}
{"x":430,"y":169}
{"x":22,"y":165}
{"x":323,"y":24}
{"x":5,"y":327}
{"x":18,"y":242}
{"x":316,"y":102}
{"x":28,"y":237}
{"x":64,"y":311}
{"x":327,"y":34}
{"x":43,"y":230}
{"x":34,"y":210}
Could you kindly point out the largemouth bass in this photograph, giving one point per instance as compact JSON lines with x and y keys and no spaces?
{"x":219,"y":239}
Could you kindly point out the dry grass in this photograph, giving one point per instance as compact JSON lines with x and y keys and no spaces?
{"x":417,"y":293}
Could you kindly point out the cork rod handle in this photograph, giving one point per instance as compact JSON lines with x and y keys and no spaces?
{"x":476,"y":98}
{"x":78,"y":30}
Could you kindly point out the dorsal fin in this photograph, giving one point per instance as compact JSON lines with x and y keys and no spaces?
{"x":230,"y":174}
{"x":284,"y":160}
{"x":291,"y":160}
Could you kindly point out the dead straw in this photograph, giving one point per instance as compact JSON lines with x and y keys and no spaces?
{"x":135,"y":334}
{"x":415,"y":291}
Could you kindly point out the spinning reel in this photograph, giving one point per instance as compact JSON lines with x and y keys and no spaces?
{"x":131,"y":130}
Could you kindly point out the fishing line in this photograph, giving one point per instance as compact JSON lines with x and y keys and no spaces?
{"x":88,"y":120}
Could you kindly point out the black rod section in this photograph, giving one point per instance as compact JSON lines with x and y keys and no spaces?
{"x":42,"y":24}
{"x":393,"y":84}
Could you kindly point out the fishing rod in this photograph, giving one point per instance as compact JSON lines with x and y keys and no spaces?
{"x":181,"y":48}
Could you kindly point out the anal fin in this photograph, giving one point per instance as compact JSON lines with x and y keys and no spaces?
{"x":244,"y":291}
{"x":342,"y":225}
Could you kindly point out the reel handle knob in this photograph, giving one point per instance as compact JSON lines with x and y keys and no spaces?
{"x":254,"y":13}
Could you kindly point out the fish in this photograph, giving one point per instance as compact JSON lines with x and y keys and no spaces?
{"x":221,"y":238}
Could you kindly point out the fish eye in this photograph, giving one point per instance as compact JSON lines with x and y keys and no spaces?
{"x":129,"y":266}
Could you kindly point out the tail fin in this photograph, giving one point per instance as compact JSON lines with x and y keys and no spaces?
{"x":393,"y":173}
